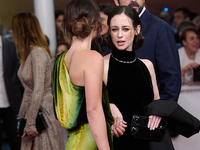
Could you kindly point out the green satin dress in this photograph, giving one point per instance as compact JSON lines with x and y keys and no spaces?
{"x":70,"y":108}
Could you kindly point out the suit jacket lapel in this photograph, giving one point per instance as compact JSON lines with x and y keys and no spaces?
{"x":145,"y":18}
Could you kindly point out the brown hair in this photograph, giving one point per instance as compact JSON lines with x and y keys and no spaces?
{"x":80,"y":17}
{"x":26,"y":33}
{"x":133,"y":15}
{"x":189,"y":29}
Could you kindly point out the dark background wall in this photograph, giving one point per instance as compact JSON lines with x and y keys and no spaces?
{"x":8,"y":8}
{"x":154,"y":6}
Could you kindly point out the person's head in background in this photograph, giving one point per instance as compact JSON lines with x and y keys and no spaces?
{"x":137,"y":5}
{"x":165,"y":15}
{"x":27,"y":33}
{"x":59,"y":16}
{"x":124,"y":24}
{"x":190,"y":40}
{"x":81,"y":19}
{"x":183,"y":25}
{"x":181,"y":14}
{"x":105,"y":9}
{"x":61,"y":47}
{"x":195,"y":18}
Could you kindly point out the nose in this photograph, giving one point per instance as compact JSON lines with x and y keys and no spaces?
{"x":120,"y":34}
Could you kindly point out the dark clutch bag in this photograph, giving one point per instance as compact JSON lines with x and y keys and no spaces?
{"x":41,"y":124}
{"x":196,"y":74}
{"x":139,"y":128}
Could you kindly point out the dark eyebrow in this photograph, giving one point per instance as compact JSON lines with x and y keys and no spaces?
{"x":113,"y":27}
{"x":122,"y":26}
{"x":126,"y":26}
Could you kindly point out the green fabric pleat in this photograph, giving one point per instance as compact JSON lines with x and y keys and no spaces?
{"x":67,"y":96}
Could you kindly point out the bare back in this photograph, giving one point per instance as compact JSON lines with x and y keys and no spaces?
{"x":81,"y":63}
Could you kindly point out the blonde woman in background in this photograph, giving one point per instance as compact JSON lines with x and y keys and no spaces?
{"x":35,"y":75}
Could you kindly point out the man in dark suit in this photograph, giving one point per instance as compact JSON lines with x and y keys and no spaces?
{"x":160,"y":48}
{"x":11,"y":91}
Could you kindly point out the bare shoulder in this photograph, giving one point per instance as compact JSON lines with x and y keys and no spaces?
{"x":148,"y":63}
{"x":107,"y":57}
{"x":92,"y":56}
{"x":106,"y":61}
{"x":93,"y":66}
{"x":90,"y":59}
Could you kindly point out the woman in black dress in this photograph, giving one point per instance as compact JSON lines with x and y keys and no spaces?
{"x":131,"y":81}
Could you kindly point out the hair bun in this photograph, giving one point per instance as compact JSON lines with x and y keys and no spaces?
{"x":79,"y":26}
{"x":138,"y":41}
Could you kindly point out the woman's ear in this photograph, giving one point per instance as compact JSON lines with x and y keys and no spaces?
{"x":116,"y":2}
{"x":95,"y":27}
{"x":183,"y":42}
{"x":138,"y":28}
{"x":180,"y":33}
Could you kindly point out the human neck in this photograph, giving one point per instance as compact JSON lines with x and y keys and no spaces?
{"x":84,"y":43}
{"x":123,"y":55}
{"x":191,"y":55}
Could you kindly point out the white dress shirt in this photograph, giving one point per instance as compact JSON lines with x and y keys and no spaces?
{"x":4,"y":103}
{"x":144,"y":8}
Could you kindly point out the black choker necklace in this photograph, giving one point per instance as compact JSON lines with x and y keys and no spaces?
{"x":125,"y":62}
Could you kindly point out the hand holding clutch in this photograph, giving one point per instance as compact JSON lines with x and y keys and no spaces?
{"x":139,"y":128}
{"x":40,"y":124}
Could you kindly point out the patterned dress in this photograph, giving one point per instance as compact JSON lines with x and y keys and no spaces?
{"x":70,"y":106}
{"x":35,"y":76}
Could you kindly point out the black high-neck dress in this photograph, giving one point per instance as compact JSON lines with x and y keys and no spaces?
{"x":130,"y":89}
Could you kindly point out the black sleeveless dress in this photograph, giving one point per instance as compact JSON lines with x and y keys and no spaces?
{"x":130,"y":89}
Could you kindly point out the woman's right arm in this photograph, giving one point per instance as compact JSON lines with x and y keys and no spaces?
{"x":93,"y":77}
{"x":189,"y":67}
{"x":118,"y":128}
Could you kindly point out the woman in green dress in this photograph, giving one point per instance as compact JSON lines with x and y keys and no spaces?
{"x":81,"y":106}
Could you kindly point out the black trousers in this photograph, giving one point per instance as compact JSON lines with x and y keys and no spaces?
{"x":10,"y":126}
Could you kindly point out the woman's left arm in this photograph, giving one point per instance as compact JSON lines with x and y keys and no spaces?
{"x":153,"y":119}
{"x":38,"y":64}
{"x":150,"y":67}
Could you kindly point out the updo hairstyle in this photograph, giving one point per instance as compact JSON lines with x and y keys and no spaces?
{"x":133,"y":15}
{"x":81,"y":16}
